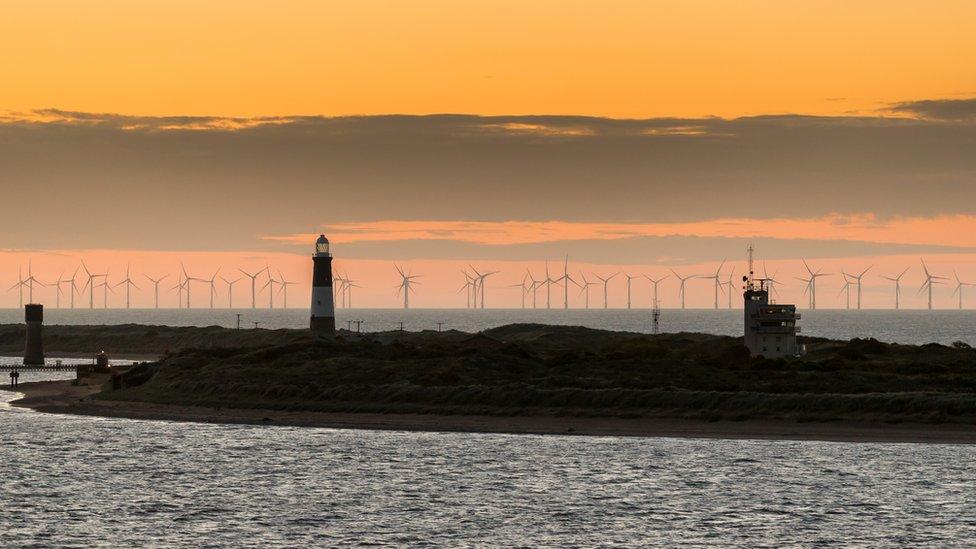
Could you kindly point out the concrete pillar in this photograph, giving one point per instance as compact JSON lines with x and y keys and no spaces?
{"x":34,"y":349}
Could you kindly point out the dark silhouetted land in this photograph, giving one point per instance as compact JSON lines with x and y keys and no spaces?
{"x":536,"y":378}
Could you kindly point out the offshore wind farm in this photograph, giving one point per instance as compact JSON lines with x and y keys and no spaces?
{"x":488,"y":295}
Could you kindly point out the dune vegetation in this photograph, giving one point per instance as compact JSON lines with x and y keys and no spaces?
{"x":557,"y":370}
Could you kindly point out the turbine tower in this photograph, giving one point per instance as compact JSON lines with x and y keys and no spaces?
{"x":897,"y":281}
{"x":548,"y":282}
{"x":284,"y":289}
{"x":468,"y":289}
{"x":812,"y":283}
{"x":523,"y":286}
{"x":959,"y":286}
{"x":128,"y":286}
{"x":230,"y":290}
{"x":629,"y":279}
{"x":90,"y":284}
{"x":585,"y":289}
{"x":681,"y":286}
{"x":19,"y":285}
{"x":155,"y":283}
{"x":730,"y":285}
{"x":606,"y":283}
{"x":270,"y":285}
{"x":846,"y":288}
{"x":717,"y":282}
{"x":213,"y":286}
{"x":535,"y":288}
{"x":930,"y":279}
{"x":254,"y":278}
{"x":406,"y":285}
{"x":73,"y":286}
{"x":858,"y":278}
{"x":566,"y":279}
{"x":30,"y":281}
{"x":654,"y":282}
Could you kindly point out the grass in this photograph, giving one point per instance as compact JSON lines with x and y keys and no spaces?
{"x":537,"y":369}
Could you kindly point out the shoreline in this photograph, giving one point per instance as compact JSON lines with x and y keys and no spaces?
{"x":60,"y":397}
{"x":133,"y":357}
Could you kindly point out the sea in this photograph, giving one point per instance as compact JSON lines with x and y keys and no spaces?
{"x":74,"y":481}
{"x":904,"y":326}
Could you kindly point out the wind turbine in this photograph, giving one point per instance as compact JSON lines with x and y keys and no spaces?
{"x":897,"y":281}
{"x":846,"y":288}
{"x":548,"y":282}
{"x":715,"y":278}
{"x":57,"y":284}
{"x":480,"y":285}
{"x":155,"y":282}
{"x":930,"y":279}
{"x":230,"y":291}
{"x":339,"y":291}
{"x":535,"y":288}
{"x":30,"y":280}
{"x":213,"y":286}
{"x":180,"y":286}
{"x":771,"y":281}
{"x":468,"y":289}
{"x":959,"y":286}
{"x":73,"y":286}
{"x":106,"y":288}
{"x":128,"y":285}
{"x":270,"y":284}
{"x":681,"y":287}
{"x":20,"y":285}
{"x":606,"y":283}
{"x":566,"y":279}
{"x":284,"y":289}
{"x":350,"y":284}
{"x":858,"y":279}
{"x":90,"y":284}
{"x":187,"y":280}
{"x":254,"y":278}
{"x":585,"y":288}
{"x":731,"y":285}
{"x":812,"y":283}
{"x":629,"y":278}
{"x":654,"y":282}
{"x":524,"y":288}
{"x":406,"y":285}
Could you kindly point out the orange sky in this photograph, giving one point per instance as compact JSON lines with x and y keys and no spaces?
{"x":608,"y":58}
{"x":619,"y":58}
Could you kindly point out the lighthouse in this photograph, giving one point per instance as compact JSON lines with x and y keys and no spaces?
{"x":323,"y":306}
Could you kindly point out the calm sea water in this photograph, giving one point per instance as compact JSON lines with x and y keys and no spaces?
{"x":81,"y":482}
{"x":907,"y":326}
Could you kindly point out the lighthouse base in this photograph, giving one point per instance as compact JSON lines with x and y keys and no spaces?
{"x":323,"y":325}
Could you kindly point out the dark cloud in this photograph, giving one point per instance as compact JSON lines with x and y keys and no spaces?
{"x":83,"y":180}
{"x":952,"y":110}
{"x":643,"y":250}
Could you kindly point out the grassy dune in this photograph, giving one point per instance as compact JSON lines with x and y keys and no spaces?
{"x":142,"y":339}
{"x":550,"y":370}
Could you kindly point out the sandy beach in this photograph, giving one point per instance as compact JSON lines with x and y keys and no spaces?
{"x":61,"y":397}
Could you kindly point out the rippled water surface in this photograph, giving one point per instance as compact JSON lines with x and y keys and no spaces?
{"x":79,"y":481}
{"x":906,"y":326}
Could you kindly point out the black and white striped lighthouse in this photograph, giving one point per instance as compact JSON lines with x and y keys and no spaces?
{"x":323,"y":306}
